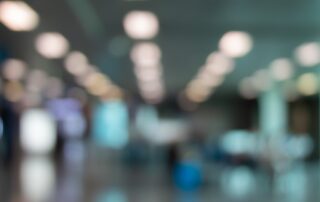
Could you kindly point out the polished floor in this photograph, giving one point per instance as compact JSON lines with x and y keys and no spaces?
{"x":85,"y":173}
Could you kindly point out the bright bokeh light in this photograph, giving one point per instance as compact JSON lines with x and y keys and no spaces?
{"x":148,"y":74}
{"x":97,"y":84}
{"x":209,"y":80}
{"x":281,"y":69}
{"x":95,"y":79}
{"x":18,"y":16}
{"x":146,"y":57}
{"x":307,"y":84}
{"x":76,"y":63}
{"x":37,"y":177}
{"x":52,"y":45}
{"x":308,"y":54}
{"x":146,"y":54}
{"x":14,"y":69}
{"x":141,"y":24}
{"x":219,"y":64}
{"x":152,"y":96}
{"x":236,"y":43}
{"x":38,"y":131}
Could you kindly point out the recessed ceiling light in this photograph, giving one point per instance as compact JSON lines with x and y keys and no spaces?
{"x":141,"y":24}
{"x":236,"y":43}
{"x":308,"y":54}
{"x":52,"y":45}
{"x":18,"y":16}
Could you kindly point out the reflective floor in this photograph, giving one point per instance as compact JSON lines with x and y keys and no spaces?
{"x":86,"y":173}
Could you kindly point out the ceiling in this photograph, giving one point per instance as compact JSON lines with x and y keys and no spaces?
{"x":189,"y":31}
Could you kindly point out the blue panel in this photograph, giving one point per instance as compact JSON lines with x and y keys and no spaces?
{"x":110,"y":124}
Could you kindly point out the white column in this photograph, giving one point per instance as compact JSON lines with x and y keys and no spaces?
{"x":273,"y":111}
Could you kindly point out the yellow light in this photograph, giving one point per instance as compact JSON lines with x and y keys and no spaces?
{"x":196,"y":92}
{"x":307,"y":84}
{"x":115,"y":93}
{"x":236,"y":43}
{"x":51,"y":45}
{"x":14,"y":69}
{"x":308,"y":54}
{"x":96,"y":79}
{"x":141,"y":24}
{"x":18,"y":16}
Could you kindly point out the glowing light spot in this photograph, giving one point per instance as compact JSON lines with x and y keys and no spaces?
{"x":14,"y":69}
{"x":146,"y":54}
{"x":37,"y":178}
{"x":236,"y":43}
{"x":219,"y":64}
{"x":76,"y":63}
{"x":38,"y":131}
{"x":51,"y":45}
{"x":308,"y":54}
{"x":141,"y":24}
{"x":281,"y":69}
{"x":18,"y":16}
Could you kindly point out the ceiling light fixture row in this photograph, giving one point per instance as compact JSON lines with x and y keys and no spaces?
{"x":233,"y":44}
{"x":146,"y":56}
{"x":306,"y":55}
